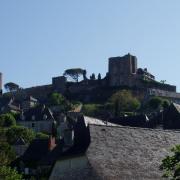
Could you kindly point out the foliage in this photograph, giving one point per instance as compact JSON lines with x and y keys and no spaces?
{"x":11,"y":86}
{"x":165,"y":103}
{"x":41,"y":135}
{"x":7,"y":154}
{"x":92,"y":77}
{"x":59,"y":100}
{"x":15,"y":132}
{"x":171,"y":164}
{"x":157,"y":103}
{"x":7,"y":120}
{"x":74,"y":73}
{"x":99,"y":76}
{"x":123,"y":101}
{"x":7,"y":173}
{"x":91,"y":109}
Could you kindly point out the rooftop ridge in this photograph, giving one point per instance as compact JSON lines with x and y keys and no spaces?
{"x":129,"y":127}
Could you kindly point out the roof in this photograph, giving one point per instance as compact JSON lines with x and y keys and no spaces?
{"x":129,"y":153}
{"x":20,"y":141}
{"x":90,"y":120}
{"x":30,"y":98}
{"x":36,"y":150}
{"x":38,"y":112}
{"x":177,"y":106}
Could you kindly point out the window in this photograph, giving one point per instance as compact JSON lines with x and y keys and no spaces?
{"x":33,"y":125}
{"x":33,"y":117}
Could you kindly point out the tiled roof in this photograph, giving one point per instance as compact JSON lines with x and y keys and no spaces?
{"x":129,"y":153}
{"x":38,"y":112}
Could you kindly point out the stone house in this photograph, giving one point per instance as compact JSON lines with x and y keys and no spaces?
{"x":118,"y":153}
{"x":171,"y":117}
{"x":29,"y":103}
{"x":20,"y":146}
{"x":39,"y":118}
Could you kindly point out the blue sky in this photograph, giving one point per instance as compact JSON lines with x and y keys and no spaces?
{"x":39,"y":39}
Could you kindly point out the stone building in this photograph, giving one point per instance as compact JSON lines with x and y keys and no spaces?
{"x":122,"y":70}
{"x":40,"y":119}
{"x":1,"y":83}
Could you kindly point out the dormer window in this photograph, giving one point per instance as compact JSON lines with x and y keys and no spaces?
{"x":44,"y":117}
{"x":23,"y":117}
{"x":33,"y":117}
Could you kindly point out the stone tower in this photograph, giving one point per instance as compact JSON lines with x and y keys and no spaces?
{"x":122,"y":70}
{"x":1,"y":83}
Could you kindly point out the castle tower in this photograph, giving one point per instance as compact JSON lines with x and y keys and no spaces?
{"x":1,"y":83}
{"x":122,"y":70}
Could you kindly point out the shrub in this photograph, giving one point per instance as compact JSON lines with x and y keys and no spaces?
{"x":7,"y":173}
{"x":171,"y":164}
{"x":7,"y":120}
{"x":91,"y":109}
{"x":14,"y":132}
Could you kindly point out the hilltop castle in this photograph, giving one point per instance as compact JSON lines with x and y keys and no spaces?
{"x":123,"y":72}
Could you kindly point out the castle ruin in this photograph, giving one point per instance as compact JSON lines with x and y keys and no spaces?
{"x":123,"y":72}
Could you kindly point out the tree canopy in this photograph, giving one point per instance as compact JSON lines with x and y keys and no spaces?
{"x":123,"y":101}
{"x":14,"y":132}
{"x":74,"y":73}
{"x":156,"y":103}
{"x":11,"y":86}
{"x":57,"y":99}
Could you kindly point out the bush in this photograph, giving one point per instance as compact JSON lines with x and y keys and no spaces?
{"x":7,"y":120}
{"x":7,"y":173}
{"x":171,"y":164}
{"x":15,"y":132}
{"x":91,"y":109}
{"x":7,"y":154}
{"x":41,"y":135}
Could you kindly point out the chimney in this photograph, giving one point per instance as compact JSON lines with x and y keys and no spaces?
{"x":51,"y":143}
{"x":1,"y":83}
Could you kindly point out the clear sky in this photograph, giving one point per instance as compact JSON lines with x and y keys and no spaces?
{"x":39,"y":39}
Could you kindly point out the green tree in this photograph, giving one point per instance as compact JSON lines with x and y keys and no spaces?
{"x":171,"y":164}
{"x":93,"y":77}
{"x":165,"y":104}
{"x":74,"y":73}
{"x":7,"y":120}
{"x":7,"y":154}
{"x":57,"y":99}
{"x":99,"y":76}
{"x":7,"y":173}
{"x":11,"y":86}
{"x":14,"y":132}
{"x":123,"y":101}
{"x":155,"y":103}
{"x":91,"y":109}
{"x":61,"y":101}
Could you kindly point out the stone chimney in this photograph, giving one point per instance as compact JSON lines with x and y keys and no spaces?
{"x":51,"y":143}
{"x":1,"y":83}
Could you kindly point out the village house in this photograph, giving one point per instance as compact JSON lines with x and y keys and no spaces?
{"x":39,"y":118}
{"x":118,"y":153}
